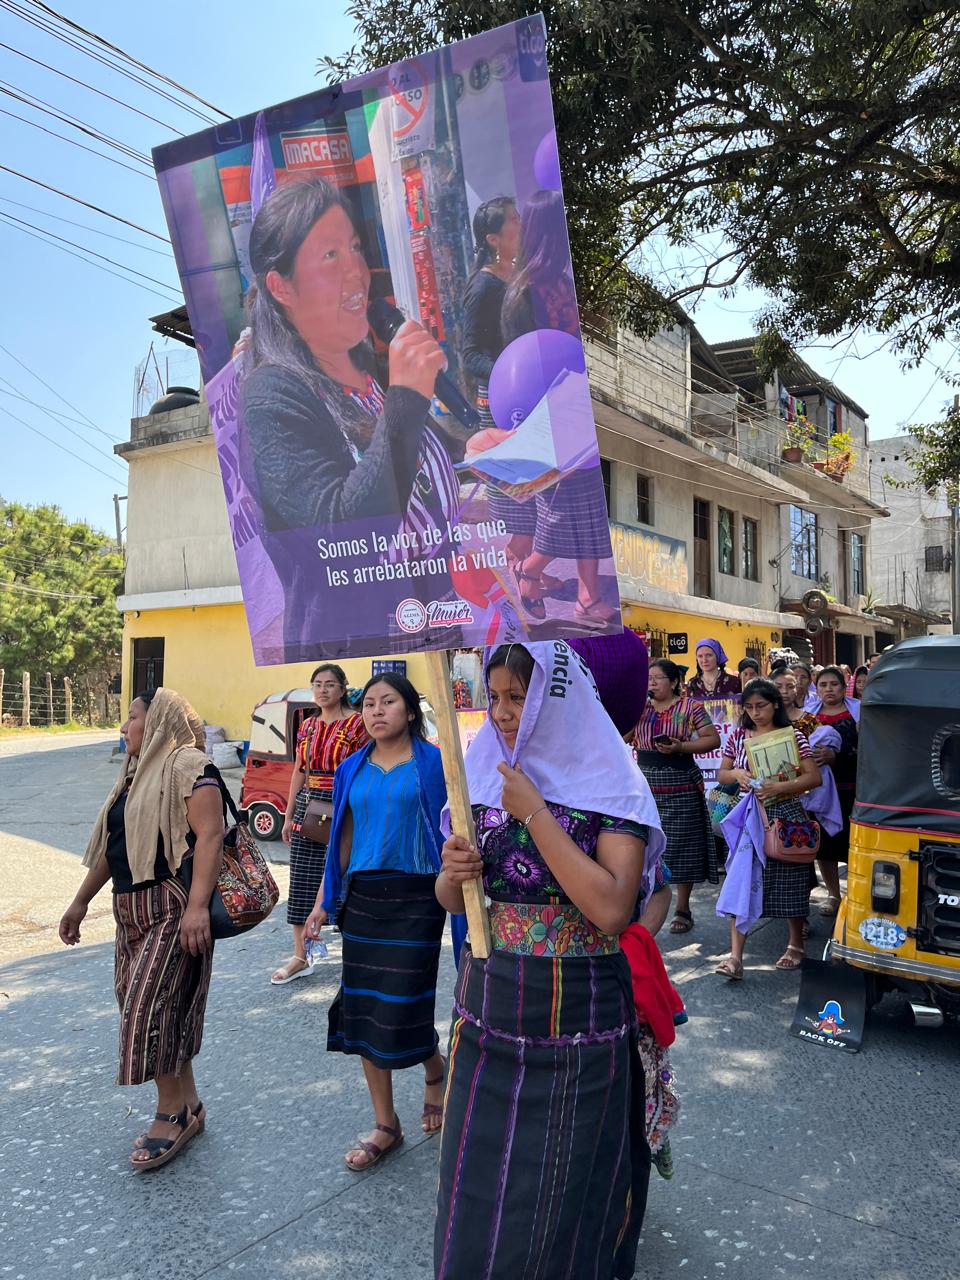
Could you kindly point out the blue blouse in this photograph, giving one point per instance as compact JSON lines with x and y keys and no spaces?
{"x":387,"y":825}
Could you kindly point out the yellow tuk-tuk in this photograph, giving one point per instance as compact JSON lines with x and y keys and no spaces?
{"x":900,"y":920}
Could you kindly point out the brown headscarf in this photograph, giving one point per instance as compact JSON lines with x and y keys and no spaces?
{"x":171,"y":760}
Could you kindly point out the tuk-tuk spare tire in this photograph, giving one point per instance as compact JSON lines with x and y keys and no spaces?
{"x":265,"y":821}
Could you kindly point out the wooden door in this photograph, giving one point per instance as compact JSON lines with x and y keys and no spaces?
{"x":701,"y":548}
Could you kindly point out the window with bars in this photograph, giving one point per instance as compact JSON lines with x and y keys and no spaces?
{"x":751,"y":549}
{"x":644,"y":499}
{"x":726,"y":548}
{"x":933,"y":560}
{"x":804,"y":544}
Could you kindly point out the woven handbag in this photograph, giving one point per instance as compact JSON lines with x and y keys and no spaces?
{"x":246,"y":892}
{"x":788,"y":841}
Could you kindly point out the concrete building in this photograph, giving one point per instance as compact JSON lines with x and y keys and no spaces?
{"x":694,"y":518}
{"x":910,"y":553}
{"x":823,"y":539}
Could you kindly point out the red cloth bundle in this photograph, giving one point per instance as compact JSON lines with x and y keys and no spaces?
{"x":654,"y":995}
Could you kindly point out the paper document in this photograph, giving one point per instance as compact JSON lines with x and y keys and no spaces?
{"x":548,"y":444}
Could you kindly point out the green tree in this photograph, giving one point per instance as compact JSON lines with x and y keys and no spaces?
{"x":808,"y":147}
{"x":59,"y":580}
{"x":935,"y":459}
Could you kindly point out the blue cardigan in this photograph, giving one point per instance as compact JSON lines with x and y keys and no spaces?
{"x":433,"y":797}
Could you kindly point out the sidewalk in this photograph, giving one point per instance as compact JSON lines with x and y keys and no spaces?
{"x":790,"y":1162}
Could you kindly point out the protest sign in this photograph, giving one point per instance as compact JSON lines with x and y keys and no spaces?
{"x":725,"y":714}
{"x":375,"y":507}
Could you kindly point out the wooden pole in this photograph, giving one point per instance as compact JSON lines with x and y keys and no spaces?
{"x":25,"y":705}
{"x":49,"y":698}
{"x":89,"y":708}
{"x":461,"y":816}
{"x":68,"y":698}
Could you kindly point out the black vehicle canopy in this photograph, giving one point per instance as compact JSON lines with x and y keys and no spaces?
{"x":908,"y":773}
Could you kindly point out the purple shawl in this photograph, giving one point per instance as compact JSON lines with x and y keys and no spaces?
{"x":823,"y":803}
{"x":742,"y":893}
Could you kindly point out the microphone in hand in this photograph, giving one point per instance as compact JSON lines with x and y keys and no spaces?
{"x":385,"y":319}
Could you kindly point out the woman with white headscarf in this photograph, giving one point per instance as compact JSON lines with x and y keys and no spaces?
{"x":164,"y":807}
{"x":544,"y":1162}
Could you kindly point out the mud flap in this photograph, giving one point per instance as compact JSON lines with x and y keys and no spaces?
{"x":832,"y":1005}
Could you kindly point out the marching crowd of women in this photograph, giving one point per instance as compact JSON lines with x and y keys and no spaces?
{"x":556,"y":1096}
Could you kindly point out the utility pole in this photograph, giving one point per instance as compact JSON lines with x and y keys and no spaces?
{"x":117,"y":499}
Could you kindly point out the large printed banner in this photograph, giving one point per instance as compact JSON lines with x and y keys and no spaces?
{"x":374,"y":505}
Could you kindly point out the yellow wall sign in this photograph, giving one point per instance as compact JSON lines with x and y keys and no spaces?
{"x":650,"y":558}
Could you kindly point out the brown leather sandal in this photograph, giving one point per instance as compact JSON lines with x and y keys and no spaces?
{"x":370,"y":1149}
{"x":792,"y":958}
{"x":162,"y":1150}
{"x":730,"y":967}
{"x":432,"y":1109}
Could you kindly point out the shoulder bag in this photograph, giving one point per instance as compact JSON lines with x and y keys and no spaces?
{"x":318,"y":815}
{"x":786,"y":840}
{"x":245,"y":891}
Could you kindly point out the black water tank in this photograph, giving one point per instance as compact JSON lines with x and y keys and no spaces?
{"x":176,"y":398}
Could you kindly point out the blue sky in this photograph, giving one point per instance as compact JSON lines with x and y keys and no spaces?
{"x":84,"y":331}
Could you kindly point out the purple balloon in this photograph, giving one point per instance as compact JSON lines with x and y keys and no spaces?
{"x":526,"y":369}
{"x":546,"y":162}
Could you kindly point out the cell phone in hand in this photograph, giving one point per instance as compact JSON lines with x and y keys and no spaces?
{"x":662,"y":740}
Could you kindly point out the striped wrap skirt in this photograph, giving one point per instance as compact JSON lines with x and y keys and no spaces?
{"x":307,"y":862}
{"x":391,"y":925}
{"x":691,"y":852}
{"x":572,"y":518}
{"x":161,"y":989}
{"x":544,"y":1163}
{"x":787,"y":885}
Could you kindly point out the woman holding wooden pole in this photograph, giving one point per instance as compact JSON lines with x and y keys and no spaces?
{"x":544,"y":1163}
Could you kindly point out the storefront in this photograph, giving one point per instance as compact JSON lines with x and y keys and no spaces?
{"x":654,"y":578}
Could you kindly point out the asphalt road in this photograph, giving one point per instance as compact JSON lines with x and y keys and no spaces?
{"x":791,"y":1161}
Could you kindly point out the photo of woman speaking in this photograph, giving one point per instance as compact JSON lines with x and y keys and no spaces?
{"x":331,"y":455}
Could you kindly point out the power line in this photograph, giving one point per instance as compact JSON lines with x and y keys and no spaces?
{"x":40,"y":237}
{"x":83,"y":42}
{"x":47,"y":108}
{"x":76,"y":199}
{"x":52,"y":133}
{"x":54,"y":392}
{"x":93,"y":89}
{"x":92,"y":35}
{"x":59,"y":595}
{"x":10,"y":217}
{"x":45,"y":213}
{"x":43,"y":434}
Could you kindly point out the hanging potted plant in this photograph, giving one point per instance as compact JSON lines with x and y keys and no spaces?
{"x":798,"y":438}
{"x":840,"y":455}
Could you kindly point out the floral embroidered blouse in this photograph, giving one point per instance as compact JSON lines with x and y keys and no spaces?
{"x":513,"y":868}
